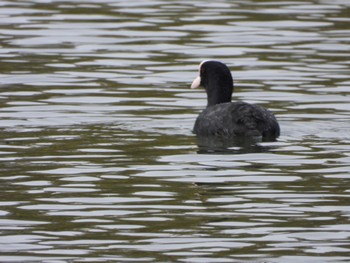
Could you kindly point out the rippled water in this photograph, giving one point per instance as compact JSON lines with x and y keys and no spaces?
{"x":98,"y":162}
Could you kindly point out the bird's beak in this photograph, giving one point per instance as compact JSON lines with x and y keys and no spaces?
{"x":196,"y":83}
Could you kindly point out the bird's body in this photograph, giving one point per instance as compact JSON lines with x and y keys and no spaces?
{"x":225,"y":118}
{"x":236,"y":119}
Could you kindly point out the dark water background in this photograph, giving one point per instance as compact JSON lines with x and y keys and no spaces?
{"x":97,"y":159}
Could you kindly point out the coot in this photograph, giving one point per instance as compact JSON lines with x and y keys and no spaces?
{"x":225,"y":118}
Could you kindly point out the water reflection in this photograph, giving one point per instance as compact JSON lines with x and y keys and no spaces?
{"x":97,"y":158}
{"x":234,"y":145}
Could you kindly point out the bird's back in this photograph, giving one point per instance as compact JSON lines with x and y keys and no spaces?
{"x":237,"y":119}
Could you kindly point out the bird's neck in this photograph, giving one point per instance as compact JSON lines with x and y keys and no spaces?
{"x":215,"y":99}
{"x":219,"y":93}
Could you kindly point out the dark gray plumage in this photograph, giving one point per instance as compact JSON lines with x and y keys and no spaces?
{"x":225,"y":118}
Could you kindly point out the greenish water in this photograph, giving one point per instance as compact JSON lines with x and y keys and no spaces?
{"x":97,"y":159}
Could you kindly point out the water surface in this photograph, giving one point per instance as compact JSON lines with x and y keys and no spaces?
{"x":98,"y":162}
